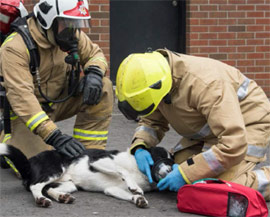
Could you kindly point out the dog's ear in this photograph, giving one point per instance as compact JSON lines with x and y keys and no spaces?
{"x":158,"y":153}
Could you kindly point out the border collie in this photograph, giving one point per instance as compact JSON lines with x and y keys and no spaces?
{"x":50,"y":174}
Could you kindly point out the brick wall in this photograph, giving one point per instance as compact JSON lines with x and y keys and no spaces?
{"x":234,"y":31}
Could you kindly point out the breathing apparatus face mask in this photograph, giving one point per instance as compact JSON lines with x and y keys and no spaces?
{"x":66,"y":32}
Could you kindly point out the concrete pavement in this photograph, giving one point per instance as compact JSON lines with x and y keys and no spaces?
{"x":16,"y":201}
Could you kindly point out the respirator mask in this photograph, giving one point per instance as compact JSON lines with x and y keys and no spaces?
{"x":66,"y":32}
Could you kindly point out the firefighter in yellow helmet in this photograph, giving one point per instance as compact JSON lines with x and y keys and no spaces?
{"x":222,"y":116}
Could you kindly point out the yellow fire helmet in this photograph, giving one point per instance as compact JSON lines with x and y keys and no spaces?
{"x":142,"y":81}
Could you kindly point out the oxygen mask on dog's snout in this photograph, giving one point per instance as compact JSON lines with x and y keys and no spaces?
{"x":161,"y":168}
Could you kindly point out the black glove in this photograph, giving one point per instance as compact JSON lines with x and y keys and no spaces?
{"x":65,"y":144}
{"x":92,"y":85}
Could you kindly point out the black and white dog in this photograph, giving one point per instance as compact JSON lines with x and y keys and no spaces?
{"x":112,"y":172}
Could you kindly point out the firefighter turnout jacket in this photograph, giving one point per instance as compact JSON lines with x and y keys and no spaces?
{"x":212,"y":104}
{"x":21,"y":86}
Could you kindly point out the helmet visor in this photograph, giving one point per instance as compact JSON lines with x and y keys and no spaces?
{"x":130,"y":113}
{"x":71,"y":24}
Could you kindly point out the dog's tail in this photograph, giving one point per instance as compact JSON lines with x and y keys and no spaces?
{"x":18,"y":159}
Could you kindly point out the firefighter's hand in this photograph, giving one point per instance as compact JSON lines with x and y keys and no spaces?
{"x":173,"y":181}
{"x":65,"y":144}
{"x":92,"y":89}
{"x":144,"y":161}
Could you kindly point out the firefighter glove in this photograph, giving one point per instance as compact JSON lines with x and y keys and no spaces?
{"x":92,"y":85}
{"x":173,"y":181}
{"x":144,"y":161}
{"x":65,"y":144}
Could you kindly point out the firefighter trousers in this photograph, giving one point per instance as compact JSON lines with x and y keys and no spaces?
{"x":90,"y":127}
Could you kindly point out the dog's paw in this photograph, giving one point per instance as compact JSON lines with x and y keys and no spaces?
{"x":66,"y":198}
{"x":43,"y":202}
{"x":136,"y":190}
{"x":140,"y":201}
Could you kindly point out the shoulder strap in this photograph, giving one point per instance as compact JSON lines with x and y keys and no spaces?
{"x":20,"y":25}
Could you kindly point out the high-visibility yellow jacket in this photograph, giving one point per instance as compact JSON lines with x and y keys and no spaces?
{"x":21,"y":87}
{"x":214,"y":104}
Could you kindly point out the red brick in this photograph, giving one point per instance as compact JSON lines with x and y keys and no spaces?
{"x":263,"y":62}
{"x":256,"y":28}
{"x":265,"y":7}
{"x":94,"y":22}
{"x":193,"y":8}
{"x":208,"y":7}
{"x":217,"y":1}
{"x":227,"y":7}
{"x":246,"y":49}
{"x":194,"y":21}
{"x":100,"y":30}
{"x":263,"y":21}
{"x":244,"y":35}
{"x":208,"y":36}
{"x":227,"y":35}
{"x":100,"y":14}
{"x":105,"y":37}
{"x":245,"y":7}
{"x":105,"y":8}
{"x":105,"y":22}
{"x":218,"y":14}
{"x":255,"y":14}
{"x":217,"y":28}
{"x":192,"y":36}
{"x":255,"y":56}
{"x":198,"y":14}
{"x":246,"y":21}
{"x":236,"y":56}
{"x":227,"y":21}
{"x":262,"y":75}
{"x":227,"y":49}
{"x":208,"y":49}
{"x":217,"y":42}
{"x":237,"y":2}
{"x":208,"y":21}
{"x":93,"y":8}
{"x":198,"y":43}
{"x":199,"y":29}
{"x":198,"y":2}
{"x":236,"y":42}
{"x":245,"y":62}
{"x":251,"y":76}
{"x":255,"y":41}
{"x":263,"y":35}
{"x":255,"y":2}
{"x":255,"y":69}
{"x":230,"y":62}
{"x":236,"y":14}
{"x":263,"y":49}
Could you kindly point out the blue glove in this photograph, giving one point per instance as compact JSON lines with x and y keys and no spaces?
{"x":173,"y":181}
{"x":144,"y":161}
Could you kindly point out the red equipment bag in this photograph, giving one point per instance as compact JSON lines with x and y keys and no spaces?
{"x":9,"y":11}
{"x":219,"y":198}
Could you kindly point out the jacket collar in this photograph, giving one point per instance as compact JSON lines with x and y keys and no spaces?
{"x":39,"y":37}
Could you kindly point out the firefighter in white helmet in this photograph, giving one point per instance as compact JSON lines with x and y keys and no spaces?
{"x":222,"y":116}
{"x":38,"y":101}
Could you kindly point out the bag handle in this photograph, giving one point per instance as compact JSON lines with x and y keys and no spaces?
{"x":211,"y":180}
